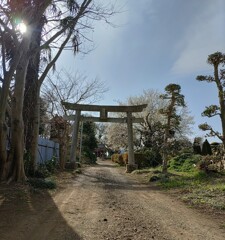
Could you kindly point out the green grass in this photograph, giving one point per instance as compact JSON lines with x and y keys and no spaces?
{"x":193,"y":186}
{"x":198,"y":188}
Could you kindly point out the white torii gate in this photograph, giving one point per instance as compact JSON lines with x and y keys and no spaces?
{"x":103,"y":110}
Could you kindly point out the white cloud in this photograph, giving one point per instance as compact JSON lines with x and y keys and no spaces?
{"x":204,"y":36}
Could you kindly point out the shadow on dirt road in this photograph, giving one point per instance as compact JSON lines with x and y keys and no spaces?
{"x":102,"y":203}
{"x":33,"y":216}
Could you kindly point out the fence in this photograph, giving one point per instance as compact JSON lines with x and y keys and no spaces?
{"x":47,"y":149}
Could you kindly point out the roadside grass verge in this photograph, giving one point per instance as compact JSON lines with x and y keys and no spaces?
{"x":197,"y":188}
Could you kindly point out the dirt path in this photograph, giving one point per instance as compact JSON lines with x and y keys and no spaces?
{"x":103,"y":203}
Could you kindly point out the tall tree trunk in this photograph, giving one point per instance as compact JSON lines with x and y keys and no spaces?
{"x":31,"y":115}
{"x":17,"y":138}
{"x":63,"y":146}
{"x":4,"y":161}
{"x":62,"y":154}
{"x":165,"y":153}
{"x":18,"y":63}
{"x":221,"y":101}
{"x":31,"y":110}
{"x":166,"y":134}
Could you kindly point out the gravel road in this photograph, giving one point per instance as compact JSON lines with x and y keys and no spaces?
{"x":105,"y":203}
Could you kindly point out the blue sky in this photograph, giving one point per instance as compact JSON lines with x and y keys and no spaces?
{"x":157,"y":42}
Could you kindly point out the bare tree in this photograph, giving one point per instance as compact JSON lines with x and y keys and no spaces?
{"x":150,"y":131}
{"x":101,"y":132}
{"x":63,"y":86}
{"x":117,"y":136}
{"x":66,"y":87}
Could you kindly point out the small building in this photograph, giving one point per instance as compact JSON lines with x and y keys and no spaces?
{"x":103,"y":151}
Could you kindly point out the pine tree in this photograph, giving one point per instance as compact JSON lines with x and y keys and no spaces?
{"x":206,"y":148}
{"x":172,"y":119}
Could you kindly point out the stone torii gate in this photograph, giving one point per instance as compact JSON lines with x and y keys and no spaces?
{"x":103,"y":110}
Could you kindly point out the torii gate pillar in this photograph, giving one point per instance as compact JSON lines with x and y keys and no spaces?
{"x":75,"y":138}
{"x":131,"y":163}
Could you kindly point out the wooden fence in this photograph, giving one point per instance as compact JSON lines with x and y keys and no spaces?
{"x":47,"y":149}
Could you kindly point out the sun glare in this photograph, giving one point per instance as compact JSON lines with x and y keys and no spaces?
{"x":22,"y":27}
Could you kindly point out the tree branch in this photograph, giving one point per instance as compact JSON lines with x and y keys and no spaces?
{"x":202,"y":78}
{"x":212,"y":133}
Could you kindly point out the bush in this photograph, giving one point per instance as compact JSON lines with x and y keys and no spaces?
{"x":125,"y":158}
{"x":113,"y":157}
{"x":42,"y":183}
{"x":51,"y":165}
{"x":140,"y":160}
{"x":42,"y":171}
{"x":211,"y":164}
{"x":147,"y":158}
{"x":154,"y":157}
{"x":184,"y":162}
{"x":89,"y":156}
{"x":118,"y":158}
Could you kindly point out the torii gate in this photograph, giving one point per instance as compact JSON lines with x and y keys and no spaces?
{"x":103,"y":110}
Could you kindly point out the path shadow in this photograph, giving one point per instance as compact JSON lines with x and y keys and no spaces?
{"x":26,"y":215}
{"x":106,"y":163}
{"x":110,"y":182}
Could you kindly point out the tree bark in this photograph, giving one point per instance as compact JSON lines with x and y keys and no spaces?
{"x":31,"y":109}
{"x":3,"y":106}
{"x":17,"y":172}
{"x":4,"y":159}
{"x":221,"y":101}
{"x":166,"y":134}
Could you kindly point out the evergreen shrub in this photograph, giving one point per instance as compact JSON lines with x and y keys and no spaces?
{"x":206,"y":148}
{"x":185,"y":162}
{"x":51,"y":165}
{"x":42,"y":171}
{"x":90,"y":157}
{"x":147,"y":158}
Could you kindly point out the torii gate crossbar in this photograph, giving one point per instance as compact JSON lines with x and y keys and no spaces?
{"x":103,"y":110}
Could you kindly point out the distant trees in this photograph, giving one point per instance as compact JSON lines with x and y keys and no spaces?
{"x":64,"y":86}
{"x":217,"y":60}
{"x":89,"y":142}
{"x":149,"y":135}
{"x":117,"y":136}
{"x":197,"y":145}
{"x":146,"y":134}
{"x":150,"y":131}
